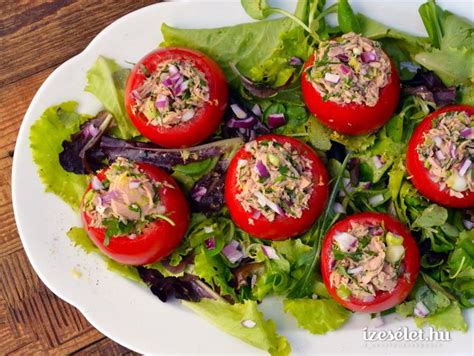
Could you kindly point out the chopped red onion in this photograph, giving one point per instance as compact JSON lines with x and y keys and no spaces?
{"x":439,"y":155}
{"x":376,"y":230}
{"x":161,"y":101}
{"x":188,"y":115}
{"x":296,"y":61}
{"x":96,"y":184}
{"x":438,"y":141}
{"x":106,"y":198}
{"x":232,"y":253}
{"x":365,"y":185}
{"x":172,"y":69}
{"x":168,"y":83}
{"x":344,"y":69}
{"x":421,"y":310}
{"x":452,"y":150}
{"x":339,"y":208}
{"x":376,"y":199}
{"x":241,"y":114}
{"x":247,"y":123}
{"x":343,"y":57}
{"x":257,"y":110}
{"x":276,"y":120}
{"x":355,"y":270}
{"x":270,"y":252}
{"x":468,"y":224}
{"x":332,"y":263}
{"x":262,"y":170}
{"x":264,"y":201}
{"x":378,"y":161}
{"x":181,"y":87}
{"x":368,"y":57}
{"x":199,"y":193}
{"x":210,"y":243}
{"x":464,"y":167}
{"x":134,"y":94}
{"x":466,"y":132}
{"x":332,"y":78}
{"x":256,"y":214}
{"x":249,"y":324}
{"x":346,"y":241}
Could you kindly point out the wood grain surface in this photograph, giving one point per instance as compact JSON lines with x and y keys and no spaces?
{"x":35,"y":37}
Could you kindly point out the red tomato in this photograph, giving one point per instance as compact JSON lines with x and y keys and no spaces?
{"x":206,"y":119}
{"x":159,"y":238}
{"x":411,"y":263}
{"x":420,"y":174}
{"x":352,"y":119}
{"x":282,"y":227}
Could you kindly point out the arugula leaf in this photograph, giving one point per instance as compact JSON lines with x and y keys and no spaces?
{"x":348,"y":21}
{"x":57,"y":124}
{"x":261,"y":333}
{"x":318,"y":316}
{"x":106,"y":81}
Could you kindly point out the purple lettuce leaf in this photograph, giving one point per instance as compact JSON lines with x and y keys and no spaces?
{"x":207,"y":195}
{"x":428,"y":86}
{"x":188,"y":287}
{"x":78,"y":155}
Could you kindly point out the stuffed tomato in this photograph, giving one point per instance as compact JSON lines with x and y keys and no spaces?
{"x":176,"y":97}
{"x":135,"y":213}
{"x":350,"y":85}
{"x":276,"y":187}
{"x":369,"y":262}
{"x":440,"y":156}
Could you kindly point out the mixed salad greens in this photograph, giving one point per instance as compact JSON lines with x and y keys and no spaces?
{"x":263,"y":64}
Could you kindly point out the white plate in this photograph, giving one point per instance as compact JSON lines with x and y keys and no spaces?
{"x":127,"y":312}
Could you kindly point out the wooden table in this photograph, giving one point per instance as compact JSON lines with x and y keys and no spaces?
{"x":35,"y":37}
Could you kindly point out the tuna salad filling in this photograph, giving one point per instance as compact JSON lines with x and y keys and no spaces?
{"x":125,"y":201}
{"x":447,"y":152}
{"x":350,"y":69}
{"x":276,"y":180}
{"x":172,"y":94}
{"x":364,"y":260}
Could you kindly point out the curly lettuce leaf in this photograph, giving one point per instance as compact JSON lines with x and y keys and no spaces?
{"x":56,"y":124}
{"x":106,"y":81}
{"x":79,"y":238}
{"x":318,"y":316}
{"x":230,"y":318}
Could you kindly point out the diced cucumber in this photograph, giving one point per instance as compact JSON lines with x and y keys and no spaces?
{"x":394,"y":253}
{"x":393,"y":240}
{"x":343,"y":292}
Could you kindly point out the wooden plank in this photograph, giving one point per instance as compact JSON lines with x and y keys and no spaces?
{"x":35,"y":37}
{"x":41,"y":34}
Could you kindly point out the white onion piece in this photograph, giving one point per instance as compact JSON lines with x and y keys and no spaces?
{"x":378,"y":162}
{"x":188,"y":115}
{"x":465,"y":166}
{"x":346,"y":241}
{"x":257,"y":110}
{"x":438,"y":141}
{"x":339,"y":208}
{"x":421,"y":310}
{"x":440,"y":156}
{"x":264,"y":201}
{"x":468,"y":224}
{"x":232,"y":253}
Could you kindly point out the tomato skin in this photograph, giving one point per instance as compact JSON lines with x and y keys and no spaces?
{"x":420,"y":174}
{"x":206,"y":119}
{"x":352,"y":119}
{"x":411,"y":262}
{"x":158,"y":239}
{"x":282,"y":227}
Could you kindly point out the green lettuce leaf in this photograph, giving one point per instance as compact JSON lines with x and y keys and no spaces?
{"x":106,"y":81}
{"x":246,"y":45}
{"x":450,"y":318}
{"x":318,"y":316}
{"x":229,"y":318}
{"x":433,"y":215}
{"x":56,"y":124}
{"x":79,"y":238}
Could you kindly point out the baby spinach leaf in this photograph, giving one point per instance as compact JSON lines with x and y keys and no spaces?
{"x":348,"y":21}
